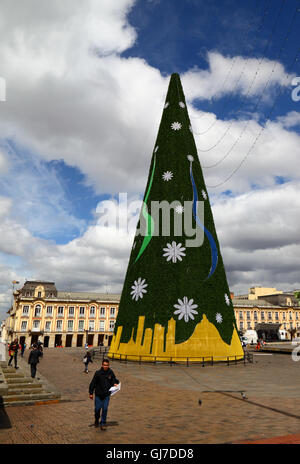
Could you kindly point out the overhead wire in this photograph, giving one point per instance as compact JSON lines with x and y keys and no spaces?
{"x":244,"y":99}
{"x":296,"y":58}
{"x":265,"y":12}
{"x":259,"y":100}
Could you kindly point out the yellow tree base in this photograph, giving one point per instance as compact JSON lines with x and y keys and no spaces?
{"x":205,"y":343}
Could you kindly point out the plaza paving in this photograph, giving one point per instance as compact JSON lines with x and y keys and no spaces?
{"x":159,"y":404}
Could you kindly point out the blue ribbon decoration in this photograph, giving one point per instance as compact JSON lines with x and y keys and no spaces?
{"x":213,"y":246}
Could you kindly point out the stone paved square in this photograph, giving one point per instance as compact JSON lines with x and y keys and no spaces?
{"x":159,"y":404}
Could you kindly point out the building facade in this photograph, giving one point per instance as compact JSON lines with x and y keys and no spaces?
{"x":56,"y":318}
{"x":72,"y":319}
{"x":268,"y":313}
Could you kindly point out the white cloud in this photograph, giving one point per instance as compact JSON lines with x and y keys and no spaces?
{"x":71,"y":96}
{"x":234,"y":75}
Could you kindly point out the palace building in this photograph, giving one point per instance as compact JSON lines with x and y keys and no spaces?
{"x":59,"y":318}
{"x":72,"y":319}
{"x":267,"y":311}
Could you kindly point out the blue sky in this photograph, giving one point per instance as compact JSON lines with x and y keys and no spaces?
{"x":85,"y":90}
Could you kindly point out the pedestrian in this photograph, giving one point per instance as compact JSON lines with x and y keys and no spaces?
{"x":40,"y":347}
{"x":23,"y":346}
{"x":101,"y":383}
{"x":13,"y":352}
{"x":87,"y":359}
{"x":34,"y":359}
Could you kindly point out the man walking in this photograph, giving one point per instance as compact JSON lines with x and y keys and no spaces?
{"x":101,"y":383}
{"x":34,"y":359}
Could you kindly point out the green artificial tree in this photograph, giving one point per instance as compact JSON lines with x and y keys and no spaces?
{"x":166,"y":278}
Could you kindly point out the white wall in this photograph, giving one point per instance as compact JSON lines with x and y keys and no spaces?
{"x":2,"y":352}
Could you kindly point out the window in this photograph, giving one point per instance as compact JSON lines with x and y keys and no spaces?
{"x":60,"y":311}
{"x":58,"y":325}
{"x":80,"y":326}
{"x":296,"y":315}
{"x":81,"y":310}
{"x":37,"y":311}
{"x":270,"y":315}
{"x":112,"y":312}
{"x":36,"y":324}
{"x":25,"y":310}
{"x":249,"y":325}
{"x":92,"y":325}
{"x":70,"y":325}
{"x":255,"y":315}
{"x":71,"y":311}
{"x":241,"y":314}
{"x":291,"y":325}
{"x":291,"y":317}
{"x":48,"y":326}
{"x":102,"y":311}
{"x":262,"y":315}
{"x":102,"y":324}
{"x":92,"y":311}
{"x":276,"y":316}
{"x":241,"y":326}
{"x":111,"y":325}
{"x":248,"y":314}
{"x":39,"y":294}
{"x":49,"y":310}
{"x":283,"y":316}
{"x":23,"y":326}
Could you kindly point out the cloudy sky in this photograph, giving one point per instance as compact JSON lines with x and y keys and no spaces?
{"x":82,"y":89}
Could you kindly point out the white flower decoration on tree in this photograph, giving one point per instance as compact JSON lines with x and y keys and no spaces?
{"x":227,"y":299}
{"x":186,"y":309}
{"x":179,"y":209}
{"x":190,"y":157}
{"x":176,"y":125}
{"x":219,"y":318}
{"x":204,"y":195}
{"x":182,"y":105}
{"x":156,"y":148}
{"x":174,"y":252}
{"x":167,"y":175}
{"x":166,"y":105}
{"x":191,"y":129}
{"x":138,"y":288}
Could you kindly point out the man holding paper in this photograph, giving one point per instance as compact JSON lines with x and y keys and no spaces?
{"x":101,"y":384}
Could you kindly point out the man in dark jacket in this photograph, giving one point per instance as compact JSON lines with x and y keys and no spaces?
{"x":101,"y":383}
{"x":34,"y":359}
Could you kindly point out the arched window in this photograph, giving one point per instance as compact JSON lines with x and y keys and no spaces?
{"x":37,"y":311}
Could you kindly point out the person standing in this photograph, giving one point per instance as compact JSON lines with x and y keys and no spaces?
{"x":23,"y":346}
{"x":101,"y":383}
{"x":87,"y":359}
{"x":34,"y":359}
{"x":13,"y":352}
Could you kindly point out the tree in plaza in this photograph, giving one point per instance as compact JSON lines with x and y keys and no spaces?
{"x":175,"y":299}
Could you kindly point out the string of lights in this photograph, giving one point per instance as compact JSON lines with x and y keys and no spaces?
{"x":263,"y":127}
{"x":258,"y":102}
{"x":248,"y":29}
{"x":250,"y":86}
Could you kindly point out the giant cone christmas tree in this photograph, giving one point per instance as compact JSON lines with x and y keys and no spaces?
{"x":175,"y":301}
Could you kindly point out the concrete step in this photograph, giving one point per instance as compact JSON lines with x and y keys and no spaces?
{"x":25,"y":391}
{"x":19,"y":380}
{"x":31,"y":386}
{"x":32,"y":402}
{"x":35,"y":397}
{"x":13,"y":375}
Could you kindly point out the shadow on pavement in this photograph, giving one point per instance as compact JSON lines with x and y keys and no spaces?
{"x":4,"y":419}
